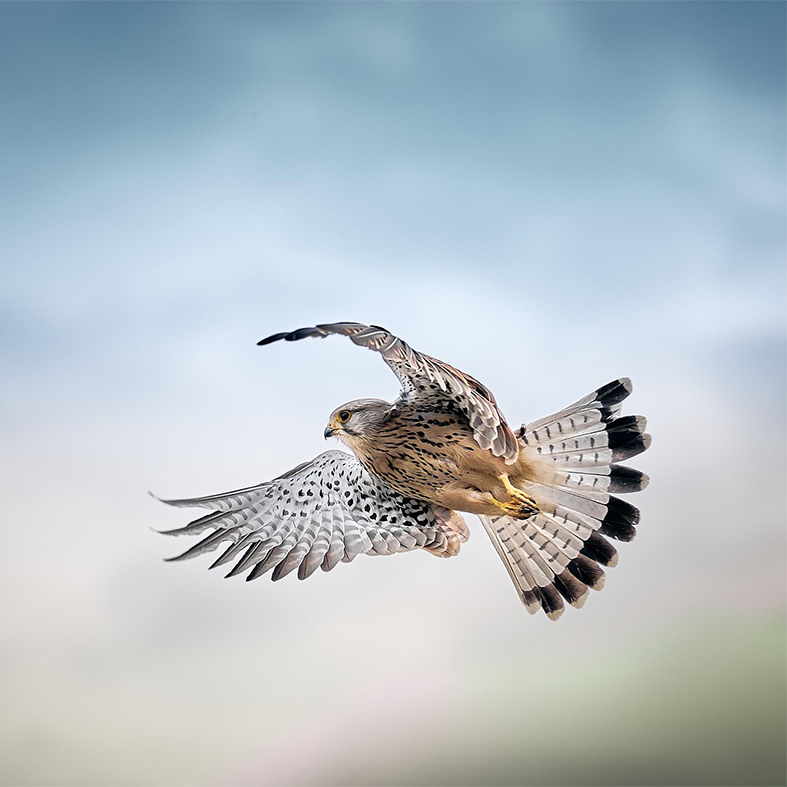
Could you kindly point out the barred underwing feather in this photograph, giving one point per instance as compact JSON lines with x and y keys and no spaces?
{"x":356,"y":540}
{"x":233,"y":551}
{"x":208,"y":544}
{"x":222,"y":502}
{"x":247,"y":559}
{"x":379,"y":543}
{"x":196,"y":526}
{"x":261,"y":556}
{"x":423,"y":378}
{"x":316,"y":515}
{"x":303,"y":547}
{"x":320,"y":546}
{"x":416,"y":534}
{"x":281,"y":554}
{"x":270,"y":557}
{"x":336,"y":546}
{"x":279,"y":562}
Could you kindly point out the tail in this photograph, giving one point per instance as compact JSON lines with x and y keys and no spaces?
{"x":557,"y":554}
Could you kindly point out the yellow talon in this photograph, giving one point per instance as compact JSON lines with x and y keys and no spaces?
{"x":521,"y":506}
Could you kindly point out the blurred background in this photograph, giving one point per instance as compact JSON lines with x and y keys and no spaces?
{"x":546,"y":195}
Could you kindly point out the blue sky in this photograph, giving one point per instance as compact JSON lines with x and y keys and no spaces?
{"x":612,"y":158}
{"x":546,"y":195}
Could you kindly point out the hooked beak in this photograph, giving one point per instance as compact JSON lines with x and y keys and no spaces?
{"x":329,"y":432}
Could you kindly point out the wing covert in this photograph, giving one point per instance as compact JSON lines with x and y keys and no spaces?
{"x":424,"y":378}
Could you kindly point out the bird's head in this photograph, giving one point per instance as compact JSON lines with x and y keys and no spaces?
{"x":357,"y":420}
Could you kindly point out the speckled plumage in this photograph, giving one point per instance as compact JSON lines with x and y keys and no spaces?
{"x":542,"y":494}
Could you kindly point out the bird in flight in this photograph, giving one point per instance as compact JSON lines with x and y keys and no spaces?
{"x":544,"y":493}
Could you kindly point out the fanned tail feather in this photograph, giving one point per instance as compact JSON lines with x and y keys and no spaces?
{"x":555,"y":556}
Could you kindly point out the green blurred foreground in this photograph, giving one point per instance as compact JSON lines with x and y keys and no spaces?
{"x":698,"y":704}
{"x":703,"y":706}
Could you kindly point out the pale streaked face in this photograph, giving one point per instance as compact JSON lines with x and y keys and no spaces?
{"x":357,"y":420}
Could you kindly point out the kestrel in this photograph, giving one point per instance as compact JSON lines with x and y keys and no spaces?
{"x":542,"y":493}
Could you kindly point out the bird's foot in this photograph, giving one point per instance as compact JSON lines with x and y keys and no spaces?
{"x":516,"y":510}
{"x":520,"y":505}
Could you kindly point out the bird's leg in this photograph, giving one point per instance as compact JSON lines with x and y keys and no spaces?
{"x":520,"y":506}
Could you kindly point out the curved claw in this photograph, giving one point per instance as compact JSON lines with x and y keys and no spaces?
{"x":521,"y":505}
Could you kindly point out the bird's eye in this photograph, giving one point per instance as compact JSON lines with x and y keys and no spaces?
{"x":344,"y":416}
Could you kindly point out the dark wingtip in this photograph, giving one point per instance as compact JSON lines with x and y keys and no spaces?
{"x":303,"y":333}
{"x":182,"y":556}
{"x":293,"y":336}
{"x":258,"y":571}
{"x":275,"y":337}
{"x":174,"y":532}
{"x":222,"y":558}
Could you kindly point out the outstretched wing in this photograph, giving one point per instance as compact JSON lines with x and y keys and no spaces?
{"x":319,"y":513}
{"x":424,"y":378}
